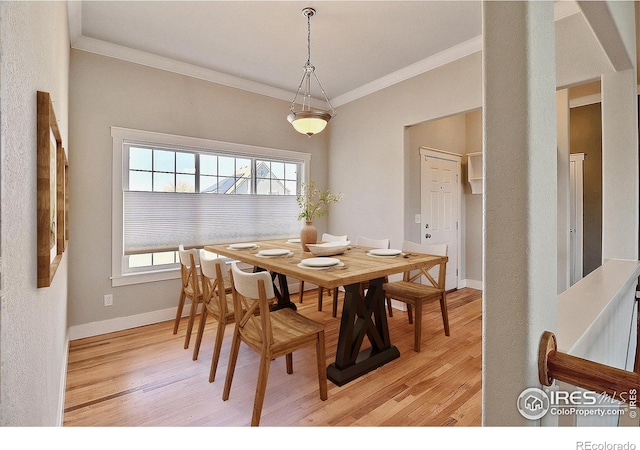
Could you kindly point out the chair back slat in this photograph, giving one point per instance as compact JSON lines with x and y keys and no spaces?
{"x":326,"y":237}
{"x":373,"y":243}
{"x":188,"y":270}
{"x":431,"y":249}
{"x":184,"y":256}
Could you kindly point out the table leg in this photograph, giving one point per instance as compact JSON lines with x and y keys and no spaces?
{"x":281,"y":290}
{"x":362,"y":316}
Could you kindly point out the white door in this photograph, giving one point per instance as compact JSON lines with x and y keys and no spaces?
{"x":576,"y":199}
{"x":440,"y":206}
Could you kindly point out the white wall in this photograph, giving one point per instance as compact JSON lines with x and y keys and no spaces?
{"x":368,"y":161}
{"x":33,"y":325}
{"x":107,"y":92}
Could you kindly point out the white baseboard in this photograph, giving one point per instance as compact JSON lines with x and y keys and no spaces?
{"x":63,"y":383}
{"x":163,"y":315}
{"x":138,"y":320}
{"x":395,"y":304}
{"x":122,"y":323}
{"x":473,"y":284}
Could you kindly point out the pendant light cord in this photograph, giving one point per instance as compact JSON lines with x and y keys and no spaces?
{"x":308,"y":38}
{"x":309,"y":69}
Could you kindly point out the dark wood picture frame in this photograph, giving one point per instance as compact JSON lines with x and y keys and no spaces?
{"x":51,"y":191}
{"x":66,"y":201}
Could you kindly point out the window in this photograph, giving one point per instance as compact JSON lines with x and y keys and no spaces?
{"x":170,"y":190}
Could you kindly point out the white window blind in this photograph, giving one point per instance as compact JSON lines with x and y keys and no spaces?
{"x":157,"y":221}
{"x":152,"y":214}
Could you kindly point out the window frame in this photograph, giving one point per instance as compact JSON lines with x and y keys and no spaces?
{"x":120,"y":168}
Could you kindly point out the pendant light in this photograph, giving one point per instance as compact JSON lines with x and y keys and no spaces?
{"x":308,"y":120}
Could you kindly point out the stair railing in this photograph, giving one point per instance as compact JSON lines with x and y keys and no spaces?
{"x":600,"y":378}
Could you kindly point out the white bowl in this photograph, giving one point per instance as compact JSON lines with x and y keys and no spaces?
{"x":329,"y":249}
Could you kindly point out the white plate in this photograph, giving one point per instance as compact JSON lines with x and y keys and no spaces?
{"x":274,"y":252}
{"x":293,"y":241}
{"x":384,"y":252}
{"x":320,"y":262}
{"x":302,"y":266}
{"x":243,"y":245}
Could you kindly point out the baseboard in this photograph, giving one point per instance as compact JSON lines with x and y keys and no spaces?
{"x":395,"y":304}
{"x":139,"y":320}
{"x":63,"y":383}
{"x":148,"y":318}
{"x":121,"y":323}
{"x":473,"y":284}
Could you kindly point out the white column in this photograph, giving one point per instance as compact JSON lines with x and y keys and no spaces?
{"x":619,"y":165}
{"x":520,"y":200}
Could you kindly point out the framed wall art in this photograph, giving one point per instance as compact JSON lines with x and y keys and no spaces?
{"x":51,"y":191}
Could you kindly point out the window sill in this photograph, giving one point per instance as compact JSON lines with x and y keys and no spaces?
{"x":145,"y":277}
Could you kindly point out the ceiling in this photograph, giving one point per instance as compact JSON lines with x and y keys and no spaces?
{"x":357,"y":47}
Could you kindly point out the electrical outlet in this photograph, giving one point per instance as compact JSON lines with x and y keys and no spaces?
{"x":108,"y":300}
{"x":417,"y":218}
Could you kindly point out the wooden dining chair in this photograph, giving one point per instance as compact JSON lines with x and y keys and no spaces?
{"x":326,"y":237}
{"x":269,"y":333}
{"x":415,"y":294}
{"x":191,"y":289}
{"x":362,"y":241}
{"x":217,"y":301}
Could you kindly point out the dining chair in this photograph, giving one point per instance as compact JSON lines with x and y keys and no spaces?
{"x":362,"y":241}
{"x":269,"y":333}
{"x":326,"y":237}
{"x":217,"y":301}
{"x":415,"y":294}
{"x":191,"y":289}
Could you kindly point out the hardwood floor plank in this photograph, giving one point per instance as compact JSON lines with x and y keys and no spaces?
{"x":144,"y":377}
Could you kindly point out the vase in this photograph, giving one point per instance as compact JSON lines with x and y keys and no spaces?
{"x":308,"y":235}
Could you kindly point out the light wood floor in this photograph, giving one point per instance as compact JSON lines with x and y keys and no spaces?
{"x":144,"y":377}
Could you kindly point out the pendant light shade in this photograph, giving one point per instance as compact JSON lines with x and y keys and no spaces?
{"x":308,"y":120}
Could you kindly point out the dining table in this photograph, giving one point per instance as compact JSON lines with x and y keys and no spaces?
{"x":363,"y":314}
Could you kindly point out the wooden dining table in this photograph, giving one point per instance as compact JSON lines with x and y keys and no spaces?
{"x":363,"y":314}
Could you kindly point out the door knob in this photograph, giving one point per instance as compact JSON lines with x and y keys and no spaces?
{"x":426,"y":226}
{"x":427,"y":235}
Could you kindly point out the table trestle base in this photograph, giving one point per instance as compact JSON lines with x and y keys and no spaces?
{"x":362,"y":316}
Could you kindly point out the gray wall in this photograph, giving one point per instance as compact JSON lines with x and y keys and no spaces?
{"x":371,"y":160}
{"x":473,"y":203}
{"x":33,"y":322}
{"x":461,"y":134}
{"x":586,"y":137}
{"x":107,"y":92}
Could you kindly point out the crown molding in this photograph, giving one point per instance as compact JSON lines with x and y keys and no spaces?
{"x":171,"y":65}
{"x":78,"y":41}
{"x":565,"y":8}
{"x":440,"y":59}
